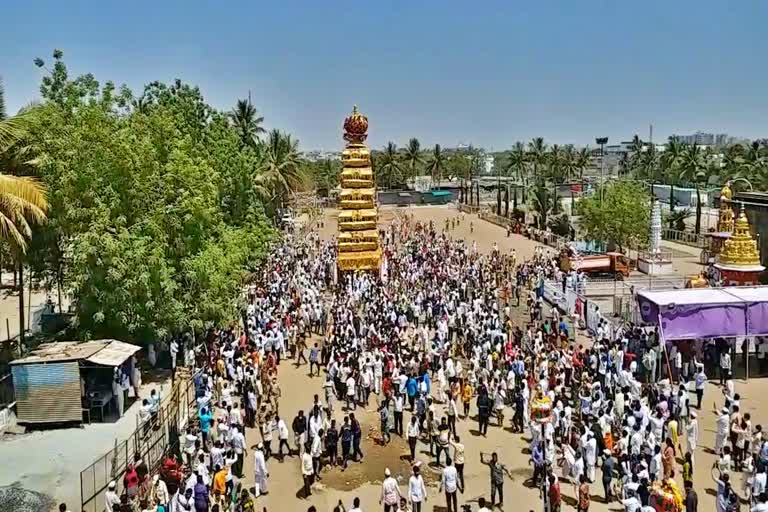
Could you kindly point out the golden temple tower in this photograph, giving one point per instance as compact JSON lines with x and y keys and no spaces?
{"x":740,"y":249}
{"x":739,"y":262}
{"x":725,"y":219}
{"x":358,"y":238}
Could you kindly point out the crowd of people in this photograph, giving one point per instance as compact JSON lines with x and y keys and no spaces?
{"x":434,"y":341}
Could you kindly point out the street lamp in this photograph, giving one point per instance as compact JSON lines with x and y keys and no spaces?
{"x":602,"y":141}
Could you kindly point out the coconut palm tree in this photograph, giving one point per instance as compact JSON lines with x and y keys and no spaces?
{"x":670,"y":167}
{"x":280,"y":171}
{"x":583,"y":159}
{"x":436,"y":164}
{"x":389,"y":164}
{"x":247,"y":122}
{"x":413,"y":157}
{"x":542,"y":203}
{"x":692,"y":166}
{"x":517,"y":167}
{"x":570,"y":170}
{"x":23,"y":200}
{"x":537,"y":155}
{"x":555,"y":167}
{"x":636,"y":148}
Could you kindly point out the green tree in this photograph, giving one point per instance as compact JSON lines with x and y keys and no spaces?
{"x":670,"y":167}
{"x":692,"y":170}
{"x":247,"y":122}
{"x":537,"y":155}
{"x":280,"y":172}
{"x":155,"y":215}
{"x":413,"y":158}
{"x":436,"y":164}
{"x":621,"y":218}
{"x":542,"y":203}
{"x":389,"y":165}
{"x":517,"y":166}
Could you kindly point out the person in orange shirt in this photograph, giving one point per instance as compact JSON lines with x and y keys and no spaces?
{"x":466,"y":397}
{"x":220,"y":486}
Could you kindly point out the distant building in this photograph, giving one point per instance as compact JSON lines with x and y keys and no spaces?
{"x":315,"y":155}
{"x":703,"y":139}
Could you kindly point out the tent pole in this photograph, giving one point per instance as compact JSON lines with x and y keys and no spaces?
{"x":664,"y":348}
{"x":746,"y":332}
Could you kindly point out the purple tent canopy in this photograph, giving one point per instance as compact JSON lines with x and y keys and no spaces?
{"x":706,"y":312}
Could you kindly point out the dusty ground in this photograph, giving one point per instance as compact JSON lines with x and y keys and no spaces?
{"x":362,"y":479}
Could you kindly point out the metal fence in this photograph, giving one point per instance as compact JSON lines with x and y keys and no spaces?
{"x":151,"y":441}
{"x":684,"y":237}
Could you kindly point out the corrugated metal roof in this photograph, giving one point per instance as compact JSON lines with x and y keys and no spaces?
{"x":62,"y":351}
{"x":104,"y":352}
{"x":114,"y":354}
{"x":48,"y":393}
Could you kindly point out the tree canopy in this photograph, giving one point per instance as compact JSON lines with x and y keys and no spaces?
{"x":155,"y":210}
{"x":621,"y":217}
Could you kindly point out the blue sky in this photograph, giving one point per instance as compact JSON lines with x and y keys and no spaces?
{"x":486,"y":72}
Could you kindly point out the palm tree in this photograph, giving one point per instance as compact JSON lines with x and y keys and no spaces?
{"x":23,"y":200}
{"x":570,"y":170}
{"x":649,"y":166}
{"x":280,"y":171}
{"x":537,"y":155}
{"x":692,"y":167}
{"x":436,"y":164}
{"x":413,"y":156}
{"x":583,"y":159}
{"x":670,"y":163}
{"x":636,"y":153}
{"x":733,"y":162}
{"x":756,"y":164}
{"x":555,"y":172}
{"x":541,"y":203}
{"x":517,"y":166}
{"x":389,"y":164}
{"x":246,"y":121}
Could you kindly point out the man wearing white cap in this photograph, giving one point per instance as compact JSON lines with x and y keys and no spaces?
{"x":390,"y":492}
{"x":692,"y":433}
{"x":111,"y":496}
{"x":260,"y":470}
{"x":721,"y":435}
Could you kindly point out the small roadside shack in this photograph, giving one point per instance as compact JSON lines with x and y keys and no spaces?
{"x":64,"y":382}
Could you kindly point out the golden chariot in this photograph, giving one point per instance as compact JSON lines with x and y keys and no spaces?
{"x":358,"y":237}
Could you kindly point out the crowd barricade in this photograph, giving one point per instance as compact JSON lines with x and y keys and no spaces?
{"x":573,"y":303}
{"x":152,"y":440}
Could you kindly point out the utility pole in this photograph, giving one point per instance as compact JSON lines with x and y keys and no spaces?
{"x":602,"y":141}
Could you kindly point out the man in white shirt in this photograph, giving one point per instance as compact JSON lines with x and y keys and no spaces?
{"x":317,"y":451}
{"x":450,"y":483}
{"x":307,"y":472}
{"x":390,"y":492}
{"x":282,"y":436}
{"x":413,"y":436}
{"x":111,"y":496}
{"x":417,"y":491}
{"x":351,"y":393}
{"x":238,"y":444}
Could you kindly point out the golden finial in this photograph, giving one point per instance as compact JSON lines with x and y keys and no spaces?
{"x":354,"y":109}
{"x":726,"y":192}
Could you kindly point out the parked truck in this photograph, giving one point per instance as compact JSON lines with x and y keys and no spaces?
{"x":613,"y":263}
